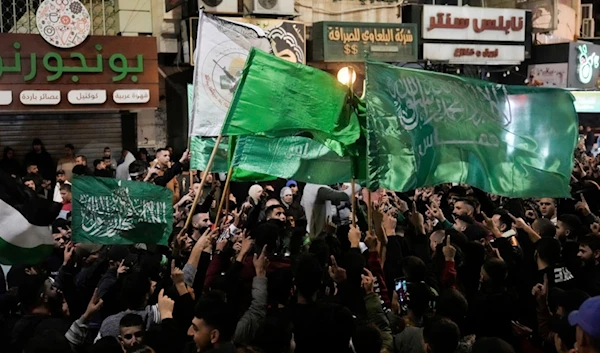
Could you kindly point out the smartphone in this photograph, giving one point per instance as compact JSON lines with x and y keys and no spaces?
{"x":400,"y":286}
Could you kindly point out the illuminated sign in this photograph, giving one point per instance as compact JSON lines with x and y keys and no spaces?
{"x":586,"y":63}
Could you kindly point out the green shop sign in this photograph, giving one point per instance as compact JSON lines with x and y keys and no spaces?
{"x":351,"y":41}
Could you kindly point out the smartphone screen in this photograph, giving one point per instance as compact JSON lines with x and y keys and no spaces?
{"x":400,"y":286}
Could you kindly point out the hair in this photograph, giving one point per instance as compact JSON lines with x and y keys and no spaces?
{"x":30,"y":291}
{"x":320,"y":249}
{"x":279,"y":286}
{"x":414,"y":269}
{"x":546,"y":227}
{"x":161,"y":150}
{"x":66,"y":187}
{"x":497,"y":270}
{"x":274,"y":334}
{"x":7,"y":150}
{"x":420,"y":298}
{"x":216,"y":312}
{"x":271,"y":209}
{"x":59,"y":223}
{"x":131,"y":320}
{"x":97,"y":161}
{"x":83,"y":158}
{"x":468,"y":201}
{"x":467,"y":219}
{"x":441,"y":334}
{"x":549,"y":250}
{"x":571,"y":222}
{"x":48,"y":341}
{"x":591,"y":240}
{"x":504,"y":217}
{"x":70,"y":146}
{"x":134,"y":291}
{"x":491,"y":345}
{"x":107,"y":344}
{"x":60,"y":172}
{"x":106,"y":148}
{"x":137,"y":167}
{"x":307,"y":275}
{"x":452,"y":305}
{"x":81,"y":170}
{"x":367,"y":339}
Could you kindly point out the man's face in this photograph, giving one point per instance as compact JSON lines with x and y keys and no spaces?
{"x":131,"y":336}
{"x":37,"y":148}
{"x":497,"y":223}
{"x":66,"y":196}
{"x":32,"y":169}
{"x":30,"y":184}
{"x":10,"y":154}
{"x":291,"y":222}
{"x":586,"y":255}
{"x":562,"y":231}
{"x":59,"y":240}
{"x":460,"y":225}
{"x":68,"y":152}
{"x":204,"y":336}
{"x":452,"y":199}
{"x":288,"y":198}
{"x":106,"y":163}
{"x":61,"y":178}
{"x":462,"y":209}
{"x":294,"y":189}
{"x":202,"y":220}
{"x":101,"y":166}
{"x":80,"y":161}
{"x":278,"y":214}
{"x":195,"y":189}
{"x":436,"y":238}
{"x":547,"y":207}
{"x":107,"y":152}
{"x":163,"y":157}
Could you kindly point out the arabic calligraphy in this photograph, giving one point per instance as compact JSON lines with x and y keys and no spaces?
{"x":445,"y":20}
{"x":124,"y":96}
{"x":487,"y":53}
{"x":40,"y":97}
{"x":97,"y":96}
{"x":384,"y":35}
{"x":54,"y":64}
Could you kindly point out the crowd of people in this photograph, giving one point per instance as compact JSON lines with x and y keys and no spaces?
{"x":292,"y":267}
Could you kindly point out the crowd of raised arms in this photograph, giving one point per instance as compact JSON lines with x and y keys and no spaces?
{"x":293,"y":267}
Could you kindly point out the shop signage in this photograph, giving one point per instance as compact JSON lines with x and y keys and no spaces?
{"x":63,"y":24}
{"x":474,"y":54}
{"x":79,"y":75}
{"x":353,"y":41}
{"x":587,"y":101}
{"x":473,"y":24}
{"x":588,"y":62}
{"x":5,"y":97}
{"x":288,"y":38}
{"x":549,"y":75}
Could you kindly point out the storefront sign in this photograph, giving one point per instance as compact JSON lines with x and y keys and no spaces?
{"x":288,"y":38}
{"x":40,"y":97}
{"x":102,"y":63}
{"x":131,"y":96}
{"x":587,"y":63}
{"x":87,"y":96}
{"x":351,"y":42}
{"x":473,"y":23}
{"x":474,"y":54}
{"x":5,"y":97}
{"x":63,"y":24}
{"x":549,"y":75}
{"x":587,"y":101}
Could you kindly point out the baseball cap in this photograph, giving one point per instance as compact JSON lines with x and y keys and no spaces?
{"x":588,"y":317}
{"x":290,"y":183}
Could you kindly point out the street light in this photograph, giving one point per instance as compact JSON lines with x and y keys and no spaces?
{"x":346,"y":76}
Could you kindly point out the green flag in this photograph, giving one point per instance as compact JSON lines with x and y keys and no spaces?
{"x":295,"y":157}
{"x":428,"y":128}
{"x":108,"y":211}
{"x":277,"y":98}
{"x":201,"y":149}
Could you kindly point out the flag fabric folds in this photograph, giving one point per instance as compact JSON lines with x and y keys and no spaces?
{"x":201,"y":148}
{"x":426,"y":128}
{"x":25,"y":219}
{"x":277,"y":98}
{"x":108,"y":211}
{"x":221,"y":50}
{"x":295,"y":157}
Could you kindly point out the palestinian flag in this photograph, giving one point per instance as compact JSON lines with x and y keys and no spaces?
{"x":25,"y":219}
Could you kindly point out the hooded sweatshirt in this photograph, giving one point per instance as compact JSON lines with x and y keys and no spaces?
{"x":123,"y":169}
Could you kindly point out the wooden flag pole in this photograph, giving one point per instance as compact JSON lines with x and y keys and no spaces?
{"x":353,"y":186}
{"x":224,"y":194}
{"x":369,"y":210}
{"x":207,"y":170}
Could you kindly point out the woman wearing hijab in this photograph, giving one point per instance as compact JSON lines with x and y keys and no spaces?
{"x":292,"y":208}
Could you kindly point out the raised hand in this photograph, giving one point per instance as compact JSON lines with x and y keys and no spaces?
{"x":93,"y":306}
{"x":261,"y":262}
{"x":367,"y":281}
{"x":449,"y":250}
{"x":337,"y":274}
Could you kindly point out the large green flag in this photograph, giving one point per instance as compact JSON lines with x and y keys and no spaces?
{"x":427,"y":128}
{"x":201,"y":149}
{"x":295,"y":157}
{"x":278,"y":98}
{"x":108,"y":211}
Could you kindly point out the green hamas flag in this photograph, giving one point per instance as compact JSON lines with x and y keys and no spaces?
{"x":428,"y":128}
{"x":108,"y":211}
{"x":201,"y":149}
{"x":277,"y":98}
{"x":296,"y":157}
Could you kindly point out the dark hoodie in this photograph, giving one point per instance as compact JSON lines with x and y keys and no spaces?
{"x":10,"y":165}
{"x":32,"y":325}
{"x":43,"y":160}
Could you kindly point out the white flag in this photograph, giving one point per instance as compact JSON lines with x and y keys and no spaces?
{"x":221,"y":50}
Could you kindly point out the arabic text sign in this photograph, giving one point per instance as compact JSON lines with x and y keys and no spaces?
{"x":473,"y":23}
{"x":348,"y":42}
{"x":475,"y":54}
{"x":549,"y":75}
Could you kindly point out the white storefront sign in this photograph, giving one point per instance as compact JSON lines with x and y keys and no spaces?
{"x":5,"y":97}
{"x":40,"y":97}
{"x":473,"y":23}
{"x":474,"y":54}
{"x":549,"y":75}
{"x":87,"y":96}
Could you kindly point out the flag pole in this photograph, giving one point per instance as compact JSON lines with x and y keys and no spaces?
{"x":207,"y":170}
{"x":353,"y":186}
{"x":351,"y":74}
{"x":369,"y":210}
{"x":224,"y":194}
